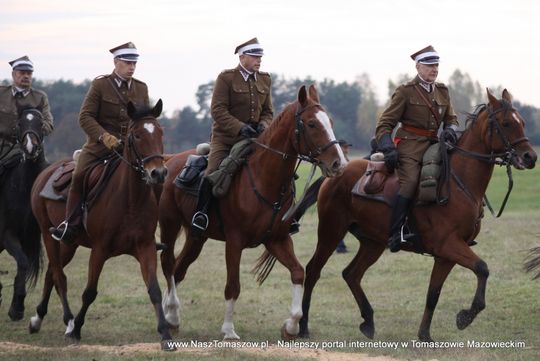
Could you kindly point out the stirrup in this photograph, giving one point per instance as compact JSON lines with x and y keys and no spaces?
{"x":56,"y":230}
{"x":199,"y":223}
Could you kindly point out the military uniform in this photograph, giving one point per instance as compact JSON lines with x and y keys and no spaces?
{"x":419,"y":127}
{"x":235,"y":103}
{"x":104,"y":109}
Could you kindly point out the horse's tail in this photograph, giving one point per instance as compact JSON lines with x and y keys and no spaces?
{"x":264,"y":266}
{"x":31,"y":246}
{"x":309,"y":199}
{"x":533,"y":261}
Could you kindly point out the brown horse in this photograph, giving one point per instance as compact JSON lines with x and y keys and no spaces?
{"x":251,"y":213}
{"x":494,"y":134}
{"x":122,"y":220}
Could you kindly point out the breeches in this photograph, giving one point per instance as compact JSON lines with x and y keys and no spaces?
{"x":86,"y":161}
{"x":218,"y":152}
{"x":410,"y":152}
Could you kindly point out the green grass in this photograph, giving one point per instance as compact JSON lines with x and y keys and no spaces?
{"x":396,"y":287}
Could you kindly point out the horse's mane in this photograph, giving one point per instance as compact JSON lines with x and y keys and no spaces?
{"x":478,"y":109}
{"x":276,"y":121}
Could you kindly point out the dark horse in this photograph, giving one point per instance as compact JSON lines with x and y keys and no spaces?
{"x":19,"y":231}
{"x":122,"y":220}
{"x":494,"y":134}
{"x":251,"y":213}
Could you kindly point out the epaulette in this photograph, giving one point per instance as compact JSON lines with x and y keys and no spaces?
{"x":264,"y":73}
{"x":409,"y":83}
{"x":441,"y":85}
{"x":228,"y":71}
{"x":138,"y":81}
{"x":102,"y":76}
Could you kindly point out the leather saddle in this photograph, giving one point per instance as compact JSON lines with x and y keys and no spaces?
{"x":377,"y":184}
{"x":191,"y":175}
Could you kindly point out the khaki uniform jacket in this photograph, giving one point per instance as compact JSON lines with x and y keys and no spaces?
{"x":409,"y":108}
{"x":104,"y":110}
{"x":236,"y":102}
{"x":9,"y":114}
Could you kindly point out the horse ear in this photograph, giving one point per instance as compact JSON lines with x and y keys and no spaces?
{"x":302,"y":96}
{"x":156,"y":111}
{"x":507,"y":96}
{"x":131,"y":109}
{"x":313,"y":93}
{"x":492,"y":100}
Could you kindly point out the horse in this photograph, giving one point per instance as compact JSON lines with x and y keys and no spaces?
{"x":494,"y":135}
{"x":122,"y":220}
{"x":19,"y":232}
{"x":251,"y":212}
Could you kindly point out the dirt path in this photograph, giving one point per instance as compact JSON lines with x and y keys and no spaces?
{"x":319,"y":354}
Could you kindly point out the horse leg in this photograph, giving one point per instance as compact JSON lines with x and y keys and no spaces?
{"x":54,"y":276}
{"x":460,"y":253}
{"x":171,"y":304}
{"x":95,"y":266}
{"x":284,"y":252}
{"x":328,"y":239}
{"x":148,"y":262}
{"x":367,"y":255}
{"x":441,"y":270}
{"x":13,"y":247}
{"x":233,"y":253}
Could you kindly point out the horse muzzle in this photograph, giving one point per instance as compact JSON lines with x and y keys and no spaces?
{"x":156,"y":175}
{"x":336,"y":168}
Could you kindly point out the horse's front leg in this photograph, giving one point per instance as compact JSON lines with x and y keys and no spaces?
{"x":441,"y":270}
{"x":16,"y":310}
{"x":284,"y":252}
{"x":460,"y":253}
{"x":233,"y":254}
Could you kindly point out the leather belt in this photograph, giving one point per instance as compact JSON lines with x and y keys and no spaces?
{"x":420,"y":131}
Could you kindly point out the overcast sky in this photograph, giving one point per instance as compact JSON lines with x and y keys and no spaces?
{"x":185,"y":43}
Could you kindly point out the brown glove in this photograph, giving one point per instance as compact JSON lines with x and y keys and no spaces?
{"x":110,"y":141}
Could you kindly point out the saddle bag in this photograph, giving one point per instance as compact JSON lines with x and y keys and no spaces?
{"x":375,"y":177}
{"x":429,"y":175}
{"x":63,"y":179}
{"x":195,"y":164}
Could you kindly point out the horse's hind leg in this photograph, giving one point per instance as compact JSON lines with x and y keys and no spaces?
{"x":441,"y":270}
{"x":147,"y":260}
{"x":16,"y":310}
{"x":171,"y":304}
{"x":284,"y":252}
{"x":367,"y":255}
{"x":96,"y":262}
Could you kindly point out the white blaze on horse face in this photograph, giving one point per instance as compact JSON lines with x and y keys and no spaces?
{"x":149,"y":127}
{"x":516,"y":118}
{"x":325,"y":121}
{"x":28,"y":144}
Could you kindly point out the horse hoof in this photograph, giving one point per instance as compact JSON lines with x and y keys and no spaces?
{"x":303,"y":333}
{"x":285,"y":336}
{"x":425,"y":337}
{"x":15,"y":315}
{"x":71,"y":338}
{"x":368,"y":330}
{"x":168,"y":345}
{"x":463,"y":319}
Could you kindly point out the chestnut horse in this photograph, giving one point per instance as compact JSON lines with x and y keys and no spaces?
{"x":494,"y":134}
{"x":252,"y":211}
{"x":19,"y":231}
{"x":122,"y":220}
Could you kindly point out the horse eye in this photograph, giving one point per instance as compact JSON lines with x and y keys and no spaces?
{"x":311,"y":124}
{"x":506,"y":124}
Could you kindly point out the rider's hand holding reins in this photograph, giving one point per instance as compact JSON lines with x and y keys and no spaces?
{"x":247,"y":131}
{"x":110,"y":141}
{"x":449,"y":135}
{"x":391,"y":157}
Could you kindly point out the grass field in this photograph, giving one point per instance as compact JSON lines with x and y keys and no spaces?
{"x":396,"y":285}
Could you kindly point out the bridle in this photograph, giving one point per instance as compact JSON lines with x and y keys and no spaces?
{"x":30,"y":130}
{"x":138,"y":163}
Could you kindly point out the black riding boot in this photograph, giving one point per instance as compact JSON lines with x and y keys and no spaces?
{"x":399,"y":213}
{"x":199,"y":223}
{"x":68,"y":230}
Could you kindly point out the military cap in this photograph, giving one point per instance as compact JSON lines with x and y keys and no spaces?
{"x":22,"y":63}
{"x":250,"y":47}
{"x":428,"y":55}
{"x":126,"y":52}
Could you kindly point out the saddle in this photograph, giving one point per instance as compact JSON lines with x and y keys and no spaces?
{"x":191,"y":175}
{"x":377,"y":184}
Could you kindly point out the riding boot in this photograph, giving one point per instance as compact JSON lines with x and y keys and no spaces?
{"x":294,"y":227}
{"x":199,"y":223}
{"x":397,"y":220}
{"x":68,"y":230}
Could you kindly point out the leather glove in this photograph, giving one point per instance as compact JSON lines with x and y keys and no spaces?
{"x":260,"y":128}
{"x":247,"y":131}
{"x":391,"y":156}
{"x":110,"y":141}
{"x":449,"y":135}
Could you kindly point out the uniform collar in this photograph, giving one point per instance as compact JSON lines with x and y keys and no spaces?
{"x":246,"y":73}
{"x":429,"y":87}
{"x":15,"y":89}
{"x":119,"y":80}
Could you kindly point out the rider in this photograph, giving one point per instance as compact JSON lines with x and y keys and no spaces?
{"x":15,"y":98}
{"x":241,"y":108}
{"x":420,"y":105}
{"x":104,"y":119}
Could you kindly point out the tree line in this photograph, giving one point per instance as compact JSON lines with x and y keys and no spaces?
{"x":353,"y":107}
